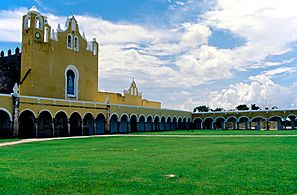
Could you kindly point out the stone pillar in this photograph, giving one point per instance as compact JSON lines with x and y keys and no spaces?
{"x":128,"y":127}
{"x":237,"y":125}
{"x":107,"y":122}
{"x":36,"y":127}
{"x":293,"y":123}
{"x":53,"y":127}
{"x":250,"y":125}
{"x":94,"y":127}
{"x":144,"y":126}
{"x":267,"y":125}
{"x":118,"y":127}
{"x":68,"y":127}
{"x":15,"y":117}
{"x":82,"y":126}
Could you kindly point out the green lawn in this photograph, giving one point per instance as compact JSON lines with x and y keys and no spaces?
{"x":223,"y":132}
{"x":138,"y":165}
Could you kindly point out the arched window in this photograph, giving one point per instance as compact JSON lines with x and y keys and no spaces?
{"x":70,"y":82}
{"x":76,"y":44}
{"x":46,"y":32}
{"x":38,"y":22}
{"x":27,"y":22}
{"x":95,"y":49}
{"x":69,"y":41}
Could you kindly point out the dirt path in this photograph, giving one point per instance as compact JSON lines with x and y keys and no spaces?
{"x":23,"y":141}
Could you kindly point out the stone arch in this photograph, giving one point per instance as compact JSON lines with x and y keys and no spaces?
{"x":197,"y":123}
{"x":231,"y":122}
{"x":243,"y":123}
{"x":113,"y":122}
{"x":133,"y":123}
{"x":208,"y":123}
{"x":141,"y":123}
{"x":174,"y":123}
{"x":258,"y":123}
{"x":61,"y":124}
{"x":149,"y":123}
{"x":292,"y":122}
{"x":169,"y":123}
{"x":275,"y":122}
{"x":179,"y":123}
{"x":61,"y":111}
{"x":27,"y":124}
{"x":75,"y":124}
{"x":88,"y":124}
{"x":45,"y":124}
{"x":5,"y":123}
{"x":156,"y":123}
{"x":163,"y":123}
{"x":34,"y":114}
{"x":219,"y":122}
{"x":184,"y":125}
{"x":100,"y":124}
{"x":124,"y":122}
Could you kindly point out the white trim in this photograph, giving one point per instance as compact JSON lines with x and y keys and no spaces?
{"x":149,"y":115}
{"x":275,"y":116}
{"x":5,"y":95}
{"x":243,"y":117}
{"x":215,"y":119}
{"x":124,"y":114}
{"x":142,"y":115}
{"x":116,"y":114}
{"x":7,"y":112}
{"x":88,"y":113}
{"x":236,"y":119}
{"x":45,"y":110}
{"x":100,"y":113}
{"x":193,"y":120}
{"x":262,"y":117}
{"x":61,"y":111}
{"x":27,"y":109}
{"x":76,"y":78}
{"x":133,"y":114}
{"x":77,"y":113}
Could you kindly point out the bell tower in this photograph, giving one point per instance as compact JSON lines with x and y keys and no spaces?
{"x":35,"y":32}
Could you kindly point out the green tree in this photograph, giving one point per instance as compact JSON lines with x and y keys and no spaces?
{"x":217,"y":109}
{"x":201,"y":109}
{"x":242,"y":107}
{"x":255,"y":107}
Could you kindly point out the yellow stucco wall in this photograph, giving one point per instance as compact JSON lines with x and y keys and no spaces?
{"x":48,"y":62}
{"x":6,"y":103}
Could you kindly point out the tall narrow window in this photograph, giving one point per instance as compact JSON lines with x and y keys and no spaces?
{"x":27,"y":22}
{"x":70,"y":82}
{"x":37,"y":22}
{"x":69,"y":42}
{"x":95,"y":49}
{"x":76,"y":44}
{"x":46,"y":34}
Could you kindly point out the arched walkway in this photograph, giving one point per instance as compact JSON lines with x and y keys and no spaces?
{"x":45,"y":126}
{"x":169,"y":124}
{"x":113,"y":124}
{"x":259,"y":123}
{"x":179,"y":124}
{"x":243,"y":123}
{"x":141,"y":123}
{"x":27,"y":125}
{"x":163,"y":123}
{"x":156,"y":123}
{"x":275,"y":123}
{"x":5,"y":124}
{"x":197,"y":123}
{"x":133,"y":123}
{"x":208,"y":123}
{"x":184,"y":124}
{"x":124,"y":124}
{"x":88,"y":124}
{"x":219,"y":123}
{"x":149,"y":123}
{"x":75,"y":124}
{"x":174,"y":123}
{"x":61,"y":124}
{"x":231,"y":123}
{"x":100,"y":124}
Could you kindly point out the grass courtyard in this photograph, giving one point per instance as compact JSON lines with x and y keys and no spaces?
{"x":142,"y":165}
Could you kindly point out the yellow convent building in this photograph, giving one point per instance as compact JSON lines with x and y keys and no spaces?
{"x":56,"y":92}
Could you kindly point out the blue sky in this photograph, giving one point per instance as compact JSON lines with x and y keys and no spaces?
{"x":183,"y":53}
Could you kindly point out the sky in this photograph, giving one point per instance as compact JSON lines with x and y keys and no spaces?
{"x":184,"y":53}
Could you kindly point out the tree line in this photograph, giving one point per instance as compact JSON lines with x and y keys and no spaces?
{"x":204,"y":108}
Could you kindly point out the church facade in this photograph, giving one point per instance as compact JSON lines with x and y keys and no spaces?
{"x":56,"y":89}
